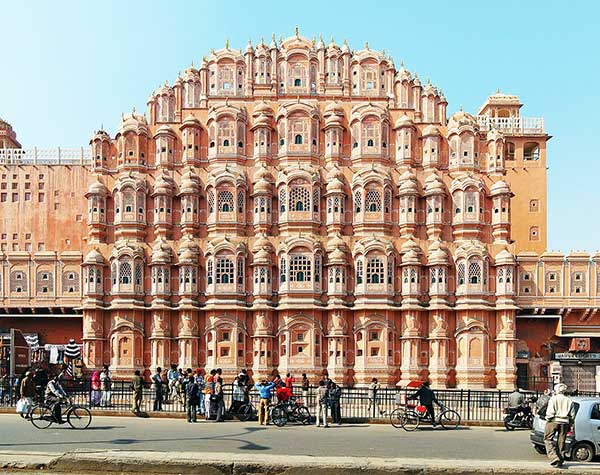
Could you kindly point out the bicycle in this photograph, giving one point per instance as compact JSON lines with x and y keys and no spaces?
{"x":292,"y":410}
{"x":410,"y":419}
{"x":78,"y":417}
{"x":246,"y":412}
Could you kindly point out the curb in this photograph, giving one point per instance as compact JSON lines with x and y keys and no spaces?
{"x":112,"y":461}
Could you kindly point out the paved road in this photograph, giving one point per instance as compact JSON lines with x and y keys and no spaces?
{"x":130,"y":433}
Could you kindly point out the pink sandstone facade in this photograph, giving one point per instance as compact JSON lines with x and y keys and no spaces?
{"x":301,"y":207}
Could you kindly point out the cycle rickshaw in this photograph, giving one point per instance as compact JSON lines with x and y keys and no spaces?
{"x":409,"y":415}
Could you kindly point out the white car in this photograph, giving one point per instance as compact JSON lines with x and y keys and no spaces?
{"x":583,"y":443}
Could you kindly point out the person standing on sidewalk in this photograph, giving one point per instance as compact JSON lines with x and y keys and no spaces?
{"x":305,"y":388}
{"x":264,"y":390}
{"x":191,"y":398}
{"x":95,"y":386}
{"x":335,"y":395}
{"x":209,"y":390}
{"x":137,"y":384}
{"x":106,"y":387}
{"x":199,"y":380}
{"x":219,"y":399}
{"x":560,"y":415}
{"x":158,"y":392}
{"x":374,"y":388}
{"x":322,"y":399}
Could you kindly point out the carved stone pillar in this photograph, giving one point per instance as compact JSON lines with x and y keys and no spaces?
{"x":505,"y":350}
{"x":262,"y":346}
{"x":411,"y":342}
{"x":337,"y":343}
{"x":93,"y":339}
{"x":160,"y":341}
{"x":187,"y":340}
{"x":438,"y":348}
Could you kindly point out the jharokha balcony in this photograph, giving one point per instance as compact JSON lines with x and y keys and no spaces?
{"x":512,"y":125}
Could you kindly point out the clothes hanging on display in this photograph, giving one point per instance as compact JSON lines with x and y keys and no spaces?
{"x":53,"y":354}
{"x":73,"y":350}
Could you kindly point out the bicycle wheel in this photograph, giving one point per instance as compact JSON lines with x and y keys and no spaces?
{"x":410,"y":421}
{"x":245,"y":412}
{"x":449,"y":419}
{"x":79,"y":417}
{"x":396,"y":417}
{"x":278,"y":416}
{"x":41,"y":417}
{"x":302,"y":415}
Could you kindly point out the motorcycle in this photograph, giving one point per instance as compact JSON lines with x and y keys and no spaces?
{"x":520,"y":416}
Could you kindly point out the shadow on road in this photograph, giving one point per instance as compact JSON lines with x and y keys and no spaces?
{"x":245,"y":444}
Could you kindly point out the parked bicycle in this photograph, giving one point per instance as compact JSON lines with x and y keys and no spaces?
{"x":293,"y":410}
{"x":410,"y":418}
{"x":246,"y":412}
{"x":78,"y":417}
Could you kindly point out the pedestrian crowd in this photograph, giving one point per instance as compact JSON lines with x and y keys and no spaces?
{"x":202,"y":393}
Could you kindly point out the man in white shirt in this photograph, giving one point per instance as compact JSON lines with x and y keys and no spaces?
{"x":560,"y":415}
{"x":54,"y":395}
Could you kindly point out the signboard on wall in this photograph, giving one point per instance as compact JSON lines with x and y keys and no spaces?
{"x":577,"y":356}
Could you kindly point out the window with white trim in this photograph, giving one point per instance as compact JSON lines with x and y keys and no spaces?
{"x":300,"y":268}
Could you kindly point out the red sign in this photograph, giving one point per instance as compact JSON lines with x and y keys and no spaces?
{"x":580,"y":344}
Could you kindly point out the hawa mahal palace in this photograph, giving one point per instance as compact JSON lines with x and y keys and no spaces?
{"x":300,"y":206}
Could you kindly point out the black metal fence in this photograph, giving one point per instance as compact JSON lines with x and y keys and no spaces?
{"x":357,"y":403}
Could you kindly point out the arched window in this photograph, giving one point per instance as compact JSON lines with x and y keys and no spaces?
{"x":474,"y":272}
{"x":359,"y":271}
{"x":531,"y":151}
{"x":300,"y":269}
{"x":375,"y":270}
{"x":298,"y":139}
{"x":357,"y":201}
{"x":297,"y":82}
{"x":282,"y":200}
{"x":373,"y":201}
{"x":124,"y":272}
{"x":460,"y":273}
{"x":209,"y":272}
{"x":282,"y":270}
{"x":224,"y":270}
{"x":225,"y":201}
{"x":299,"y":198}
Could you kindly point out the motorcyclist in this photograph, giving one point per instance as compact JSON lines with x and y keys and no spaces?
{"x":54,"y":395}
{"x":516,"y":398}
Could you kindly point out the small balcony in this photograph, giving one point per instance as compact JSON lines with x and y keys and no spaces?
{"x":512,"y":125}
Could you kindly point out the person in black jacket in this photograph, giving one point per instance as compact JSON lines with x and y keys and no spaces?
{"x":426,"y":398}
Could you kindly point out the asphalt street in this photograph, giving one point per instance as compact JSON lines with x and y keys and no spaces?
{"x":377,"y":440}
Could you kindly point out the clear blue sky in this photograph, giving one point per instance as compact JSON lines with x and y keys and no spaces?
{"x":69,"y":66}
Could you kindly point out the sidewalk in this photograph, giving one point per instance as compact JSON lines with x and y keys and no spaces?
{"x":114,"y":461}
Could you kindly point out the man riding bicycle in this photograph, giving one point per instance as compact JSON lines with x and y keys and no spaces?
{"x":54,"y":395}
{"x":426,"y":398}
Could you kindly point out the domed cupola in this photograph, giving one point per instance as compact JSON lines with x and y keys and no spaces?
{"x":132,"y":141}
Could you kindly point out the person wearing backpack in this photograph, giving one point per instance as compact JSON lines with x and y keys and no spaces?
{"x":335,"y":395}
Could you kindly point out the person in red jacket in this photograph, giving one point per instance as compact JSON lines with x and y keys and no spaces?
{"x":289,"y":383}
